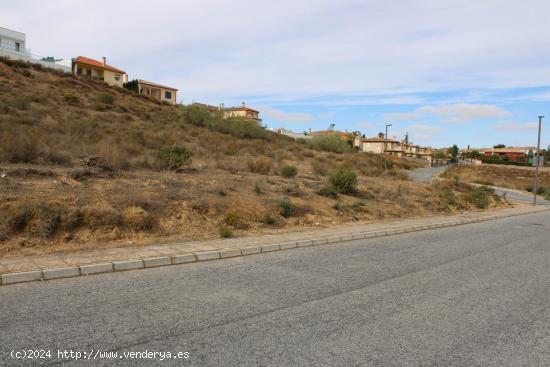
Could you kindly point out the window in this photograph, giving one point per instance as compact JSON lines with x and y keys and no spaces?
{"x":167,"y":95}
{"x":17,"y":46}
{"x":117,"y":77}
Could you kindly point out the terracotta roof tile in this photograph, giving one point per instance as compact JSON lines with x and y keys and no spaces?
{"x":97,"y":64}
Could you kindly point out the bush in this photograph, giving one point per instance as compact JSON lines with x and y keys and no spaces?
{"x":268,"y":219}
{"x":232,"y":219}
{"x":174,"y":157}
{"x":328,"y":191}
{"x":480,"y":196}
{"x":105,"y":98}
{"x":286,"y":208}
{"x":215,"y":120}
{"x":541,"y":190}
{"x":289,"y":171}
{"x":226,"y":232}
{"x":137,"y":219}
{"x":344,"y":180}
{"x":71,"y":98}
{"x":329,"y":143}
{"x":260,"y":165}
{"x":320,"y":168}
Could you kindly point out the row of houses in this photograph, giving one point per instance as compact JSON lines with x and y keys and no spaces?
{"x":377,"y":145}
{"x":509,"y":153}
{"x":392,"y":147}
{"x":13,"y":44}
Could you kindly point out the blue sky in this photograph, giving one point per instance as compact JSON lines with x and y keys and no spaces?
{"x":470,"y":72}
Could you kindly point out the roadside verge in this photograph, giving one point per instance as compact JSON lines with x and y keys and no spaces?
{"x":40,"y":268}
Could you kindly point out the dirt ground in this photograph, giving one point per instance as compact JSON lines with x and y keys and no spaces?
{"x":50,"y":211}
{"x":519,"y":178}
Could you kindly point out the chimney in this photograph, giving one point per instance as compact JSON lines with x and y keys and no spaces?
{"x":104,"y":60}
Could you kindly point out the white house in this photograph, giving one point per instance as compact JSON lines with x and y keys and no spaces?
{"x":12,"y":41}
{"x":13,"y":44}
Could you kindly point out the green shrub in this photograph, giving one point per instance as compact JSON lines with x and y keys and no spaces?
{"x":214,"y":120}
{"x":232,"y":219}
{"x":344,"y":180}
{"x":329,"y":143}
{"x":289,"y":171}
{"x":226,"y":232}
{"x":480,"y":196}
{"x":174,"y":157}
{"x":286,"y":208}
{"x":105,"y":98}
{"x":541,"y":190}
{"x":71,"y":98}
{"x":328,"y":191}
{"x":268,"y":219}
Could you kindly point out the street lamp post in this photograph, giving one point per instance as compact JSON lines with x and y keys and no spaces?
{"x":537,"y":162}
{"x":386,"y":147}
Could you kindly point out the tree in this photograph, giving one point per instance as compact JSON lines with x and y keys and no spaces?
{"x":453,"y":151}
{"x":406,"y":138}
{"x":381,"y":135}
{"x":50,"y":59}
{"x":499,"y":146}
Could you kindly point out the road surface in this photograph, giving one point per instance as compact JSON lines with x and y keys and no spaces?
{"x":474,"y":295}
{"x":426,"y":174}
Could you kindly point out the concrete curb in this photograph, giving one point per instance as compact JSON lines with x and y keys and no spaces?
{"x":116,"y":266}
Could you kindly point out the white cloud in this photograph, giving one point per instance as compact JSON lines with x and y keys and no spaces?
{"x":463,"y":112}
{"x":282,"y":116}
{"x":401,"y":116}
{"x":422,"y":133}
{"x":452,"y":114}
{"x":222,"y":50}
{"x":514,"y":126}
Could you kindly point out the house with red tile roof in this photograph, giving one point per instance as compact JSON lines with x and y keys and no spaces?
{"x":243,"y":111}
{"x":99,"y":70}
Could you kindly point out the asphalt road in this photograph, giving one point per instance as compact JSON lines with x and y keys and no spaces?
{"x":425,"y":174}
{"x":474,"y":295}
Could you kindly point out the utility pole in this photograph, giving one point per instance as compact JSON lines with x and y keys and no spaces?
{"x":385,"y":148}
{"x":537,"y":164}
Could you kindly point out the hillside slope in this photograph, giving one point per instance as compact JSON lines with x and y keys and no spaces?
{"x":85,"y":165}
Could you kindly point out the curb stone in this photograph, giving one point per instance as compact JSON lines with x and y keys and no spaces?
{"x":60,"y":273}
{"x":269,"y":248}
{"x":96,"y":268}
{"x":224,"y":254}
{"x":157,"y":261}
{"x":26,"y":276}
{"x":251,"y":250}
{"x":207,"y":255}
{"x":109,"y":267}
{"x":127,"y":265}
{"x":183,"y":259}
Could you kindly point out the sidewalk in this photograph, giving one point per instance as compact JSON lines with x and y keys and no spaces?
{"x":28,"y":268}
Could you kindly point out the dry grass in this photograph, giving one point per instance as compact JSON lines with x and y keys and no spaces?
{"x":49,"y":202}
{"x":519,"y":178}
